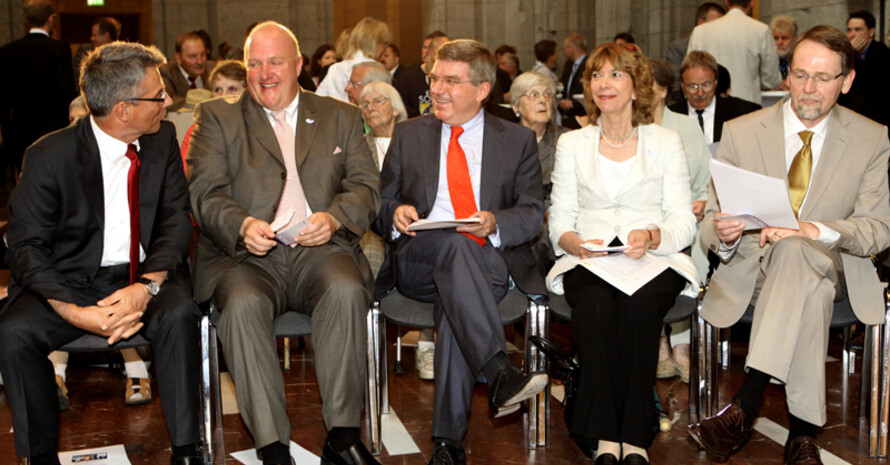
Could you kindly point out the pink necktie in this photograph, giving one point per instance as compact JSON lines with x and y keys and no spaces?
{"x":292,"y":197}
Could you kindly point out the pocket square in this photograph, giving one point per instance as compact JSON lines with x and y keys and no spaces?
{"x":337,"y":150}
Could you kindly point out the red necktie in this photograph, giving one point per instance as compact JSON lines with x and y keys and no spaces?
{"x":133,"y":201}
{"x":192,"y":85}
{"x":460,"y":188}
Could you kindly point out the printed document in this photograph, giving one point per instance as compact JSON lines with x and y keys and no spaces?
{"x":757,"y":200}
{"x":625,"y":273}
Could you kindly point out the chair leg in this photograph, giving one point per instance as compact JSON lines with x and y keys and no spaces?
{"x":695,"y":348}
{"x":216,"y":394}
{"x":206,"y":424}
{"x":373,"y":397}
{"x":287,"y":354}
{"x":536,"y":419}
{"x":881,"y":345}
{"x":875,"y":396}
{"x":398,"y":368}
{"x":724,"y":337}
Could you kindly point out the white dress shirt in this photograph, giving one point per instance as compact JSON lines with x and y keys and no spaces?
{"x":115,"y":167}
{"x":708,"y":117}
{"x":199,"y":81}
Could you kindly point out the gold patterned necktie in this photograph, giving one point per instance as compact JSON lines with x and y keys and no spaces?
{"x":799,"y":173}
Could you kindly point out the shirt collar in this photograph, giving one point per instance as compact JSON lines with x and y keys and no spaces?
{"x":471,"y":125}
{"x":711,"y":108}
{"x":579,"y":60}
{"x":290,"y":111}
{"x":185,"y":74}
{"x":37,"y":30}
{"x":793,"y":125}
{"x":110,"y":148}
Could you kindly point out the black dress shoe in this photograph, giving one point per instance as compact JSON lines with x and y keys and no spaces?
{"x":356,"y":454}
{"x":512,"y":386}
{"x":606,"y":459}
{"x":444,"y":454}
{"x":190,"y":460}
{"x":635,"y":459}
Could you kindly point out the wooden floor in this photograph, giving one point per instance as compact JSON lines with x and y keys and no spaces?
{"x":98,"y":417}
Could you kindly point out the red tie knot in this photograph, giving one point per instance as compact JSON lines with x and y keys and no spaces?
{"x":132,"y":153}
{"x":456,"y":131}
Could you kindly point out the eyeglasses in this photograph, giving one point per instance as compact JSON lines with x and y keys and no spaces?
{"x":356,"y":84}
{"x":693,"y":87}
{"x":376,"y":103}
{"x":821,"y":79}
{"x":161,"y":99}
{"x":534,"y":95}
{"x":449,"y":81}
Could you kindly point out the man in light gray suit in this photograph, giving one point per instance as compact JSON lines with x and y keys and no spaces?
{"x":281,"y":153}
{"x":744,"y":46}
{"x":835,"y":163}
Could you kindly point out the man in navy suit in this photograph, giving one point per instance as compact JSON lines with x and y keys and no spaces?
{"x":479,"y":166}
{"x":36,"y":95}
{"x":72,"y":230}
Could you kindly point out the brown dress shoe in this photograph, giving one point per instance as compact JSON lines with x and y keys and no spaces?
{"x":802,"y":450}
{"x":723,"y":434}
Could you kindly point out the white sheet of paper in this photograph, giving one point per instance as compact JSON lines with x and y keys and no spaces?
{"x":285,"y":231}
{"x":108,"y":455}
{"x":603,"y":248}
{"x":425,"y":225}
{"x":742,"y":192}
{"x":625,"y":273}
{"x":299,"y":454}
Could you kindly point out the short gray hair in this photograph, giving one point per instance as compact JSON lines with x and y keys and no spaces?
{"x":480,"y":59}
{"x":113,"y":72}
{"x":526,"y":81}
{"x":376,"y":72}
{"x":390,"y":92}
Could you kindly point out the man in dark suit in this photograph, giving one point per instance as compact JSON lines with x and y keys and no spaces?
{"x":79,"y":266}
{"x":575,"y":49}
{"x":699,"y":82}
{"x":190,"y":69}
{"x":869,"y":95}
{"x":38,"y":83}
{"x":280,"y":153}
{"x":468,"y":158}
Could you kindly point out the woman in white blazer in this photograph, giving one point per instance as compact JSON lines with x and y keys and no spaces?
{"x":619,"y":181}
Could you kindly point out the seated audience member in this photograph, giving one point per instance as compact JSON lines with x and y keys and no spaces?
{"x":138,"y":389}
{"x":531,"y":97}
{"x":366,"y":42}
{"x":362,"y":74}
{"x":245,"y":174}
{"x":503,"y":77}
{"x":623,"y":38}
{"x":575,"y":49}
{"x":382,"y":108}
{"x":676,"y":50}
{"x":228,"y":79}
{"x":437,"y":168}
{"x":604,"y":194}
{"x":699,"y":82}
{"x":509,"y":63}
{"x":676,"y":362}
{"x":784,"y":30}
{"x":413,"y":86}
{"x":391,"y":59}
{"x":869,"y":95}
{"x":189,"y":70}
{"x":324,"y":55}
{"x":545,"y":55}
{"x":73,"y":274}
{"x":835,"y":163}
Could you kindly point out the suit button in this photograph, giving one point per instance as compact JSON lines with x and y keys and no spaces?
{"x":283,"y":175}
{"x":761,"y":259}
{"x":86,"y":279}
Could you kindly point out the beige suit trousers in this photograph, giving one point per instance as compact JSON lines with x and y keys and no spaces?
{"x":794,"y":298}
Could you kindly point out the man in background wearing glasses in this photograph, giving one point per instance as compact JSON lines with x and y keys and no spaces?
{"x":457,"y":163}
{"x":98,"y":239}
{"x":835,"y":164}
{"x":698,"y":73}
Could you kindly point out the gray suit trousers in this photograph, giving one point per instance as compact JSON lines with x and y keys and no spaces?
{"x":323,"y":282}
{"x":794,"y":298}
{"x":465,"y":282}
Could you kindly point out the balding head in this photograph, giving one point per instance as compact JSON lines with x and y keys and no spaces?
{"x":272,"y":57}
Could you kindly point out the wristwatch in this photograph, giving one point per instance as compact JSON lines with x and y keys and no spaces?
{"x":153,"y":286}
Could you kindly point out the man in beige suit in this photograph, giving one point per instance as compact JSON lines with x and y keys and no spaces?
{"x":835,"y":163}
{"x":280,"y":152}
{"x":744,"y":46}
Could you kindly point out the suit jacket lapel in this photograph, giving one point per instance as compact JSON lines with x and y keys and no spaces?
{"x":492,"y":138}
{"x":719,"y":118}
{"x":90,"y":175}
{"x":149,"y":161}
{"x":429,"y":159}
{"x":259,"y":127}
{"x":306,"y":124}
{"x":836,"y":138}
{"x":589,"y":164}
{"x":772,"y":143}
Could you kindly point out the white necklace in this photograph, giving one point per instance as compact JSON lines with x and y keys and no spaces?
{"x":621,"y":142}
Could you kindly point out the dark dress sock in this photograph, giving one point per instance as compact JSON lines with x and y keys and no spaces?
{"x":491,"y":367}
{"x":276,"y":453}
{"x":190,"y":450}
{"x":341,"y":438}
{"x":751,"y":394}
{"x":800,"y":428}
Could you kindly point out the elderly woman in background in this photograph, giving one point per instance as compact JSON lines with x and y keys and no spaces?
{"x":676,"y":361}
{"x":531,"y":96}
{"x":366,"y":42}
{"x":382,"y":108}
{"x":619,"y":181}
